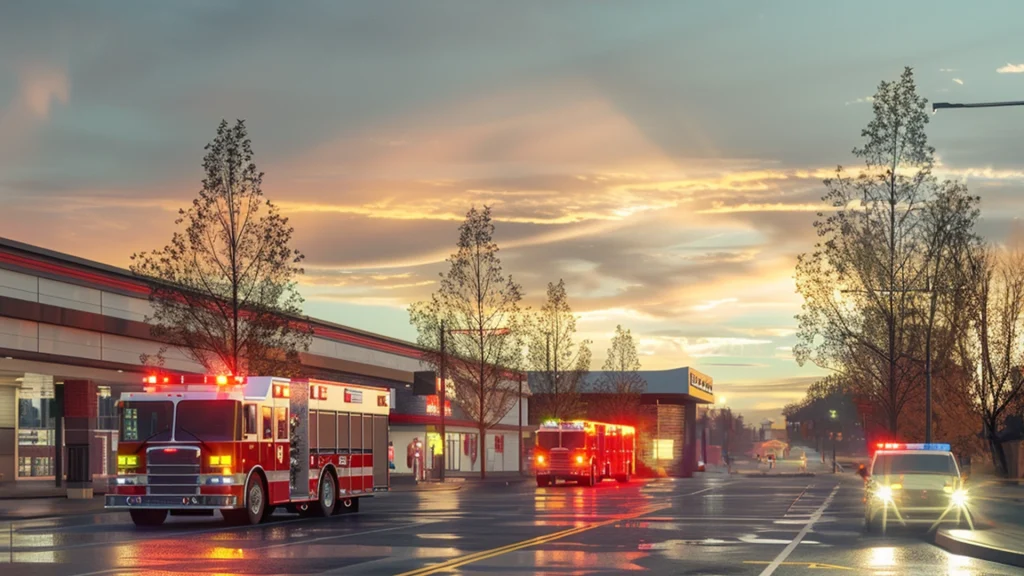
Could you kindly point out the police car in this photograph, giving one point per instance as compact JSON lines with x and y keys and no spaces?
{"x":914,"y":483}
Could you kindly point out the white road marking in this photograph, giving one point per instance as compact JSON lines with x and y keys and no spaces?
{"x":770,"y":569}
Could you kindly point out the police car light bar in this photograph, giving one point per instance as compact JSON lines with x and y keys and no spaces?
{"x":905,"y":446}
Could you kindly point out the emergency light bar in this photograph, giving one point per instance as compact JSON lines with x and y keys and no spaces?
{"x":220,"y":380}
{"x":905,"y":446}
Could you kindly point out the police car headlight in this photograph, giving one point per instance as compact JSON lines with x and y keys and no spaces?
{"x":884,"y":493}
{"x":959,"y":497}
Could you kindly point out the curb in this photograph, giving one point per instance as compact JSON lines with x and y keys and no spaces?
{"x":766,"y":475}
{"x":963,"y":547}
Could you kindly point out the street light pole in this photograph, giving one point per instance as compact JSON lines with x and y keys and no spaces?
{"x":519,"y":406}
{"x":442,"y":399}
{"x":951,"y":105}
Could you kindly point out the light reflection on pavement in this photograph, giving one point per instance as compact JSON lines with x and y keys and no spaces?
{"x":706,"y":525}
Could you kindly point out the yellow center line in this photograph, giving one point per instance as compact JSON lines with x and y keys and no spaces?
{"x":485,"y":554}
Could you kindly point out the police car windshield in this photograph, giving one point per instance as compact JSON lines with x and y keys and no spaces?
{"x":937,"y":463}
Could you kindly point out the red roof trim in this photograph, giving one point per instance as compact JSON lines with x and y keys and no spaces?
{"x":140,"y":288}
{"x":91,"y":277}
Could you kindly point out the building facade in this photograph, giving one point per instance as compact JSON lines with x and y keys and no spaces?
{"x":666,"y":420}
{"x":68,"y":320}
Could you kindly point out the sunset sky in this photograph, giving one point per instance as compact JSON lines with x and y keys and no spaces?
{"x":664,"y":158}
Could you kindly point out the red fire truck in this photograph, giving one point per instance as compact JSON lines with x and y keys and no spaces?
{"x":583,"y":451}
{"x":190,"y":445}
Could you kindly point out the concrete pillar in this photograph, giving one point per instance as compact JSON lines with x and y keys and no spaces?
{"x":80,"y":409}
{"x":690,"y":438}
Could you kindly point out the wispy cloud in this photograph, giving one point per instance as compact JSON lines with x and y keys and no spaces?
{"x":1011,"y":69}
{"x":947,"y":69}
{"x":713,"y":304}
{"x":958,"y":81}
{"x":863,"y":100}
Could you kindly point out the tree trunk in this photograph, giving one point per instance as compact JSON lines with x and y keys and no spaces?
{"x":481,"y":452}
{"x":998,"y":456}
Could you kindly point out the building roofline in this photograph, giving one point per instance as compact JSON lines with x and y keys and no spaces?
{"x":38,"y":253}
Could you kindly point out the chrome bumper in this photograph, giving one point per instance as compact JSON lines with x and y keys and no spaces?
{"x":196,"y":502}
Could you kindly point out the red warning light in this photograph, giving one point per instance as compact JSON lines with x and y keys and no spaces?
{"x":149,"y":380}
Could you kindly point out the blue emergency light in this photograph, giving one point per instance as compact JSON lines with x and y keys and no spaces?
{"x":903,"y":446}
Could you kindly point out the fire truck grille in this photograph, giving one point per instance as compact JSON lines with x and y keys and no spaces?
{"x":173,"y":473}
{"x":560,"y":460}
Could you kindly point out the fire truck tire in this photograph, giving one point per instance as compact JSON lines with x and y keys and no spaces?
{"x":328,"y":499}
{"x":148,"y":517}
{"x":543,"y":481}
{"x":347,"y":506}
{"x":590,"y":480}
{"x":255,"y":503}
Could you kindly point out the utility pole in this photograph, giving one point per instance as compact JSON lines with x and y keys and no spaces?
{"x":442,"y":399}
{"x":520,"y":407}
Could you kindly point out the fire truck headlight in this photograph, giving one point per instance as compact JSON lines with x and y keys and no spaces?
{"x":220,"y":460}
{"x":540,"y":458}
{"x":127,"y":461}
{"x":579,"y":459}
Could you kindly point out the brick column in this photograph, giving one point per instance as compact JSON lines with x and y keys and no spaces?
{"x":690,"y":439}
{"x":80,"y":409}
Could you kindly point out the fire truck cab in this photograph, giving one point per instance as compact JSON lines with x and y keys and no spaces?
{"x":191,"y":445}
{"x":583,"y":451}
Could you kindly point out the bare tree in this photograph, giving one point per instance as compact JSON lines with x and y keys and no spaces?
{"x":862,"y":280}
{"x":948,"y":231}
{"x":620,"y":385}
{"x":560,"y":364}
{"x":224,"y":291}
{"x":992,"y":350}
{"x":477,"y":307}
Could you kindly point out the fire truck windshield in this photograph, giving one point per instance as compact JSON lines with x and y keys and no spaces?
{"x":574,"y":440}
{"x":146,"y":420}
{"x":208,"y":420}
{"x":571,"y":439}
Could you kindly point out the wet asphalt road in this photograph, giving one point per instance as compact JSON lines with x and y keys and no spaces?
{"x":707,"y":525}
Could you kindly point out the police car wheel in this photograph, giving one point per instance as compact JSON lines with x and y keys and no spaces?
{"x":870,"y":521}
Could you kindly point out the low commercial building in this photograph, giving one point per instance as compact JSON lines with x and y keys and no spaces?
{"x":71,"y":335}
{"x":666,"y":418}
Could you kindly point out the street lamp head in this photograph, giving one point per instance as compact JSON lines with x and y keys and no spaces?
{"x":832,"y":414}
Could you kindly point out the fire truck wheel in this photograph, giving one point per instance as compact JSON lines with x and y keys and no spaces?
{"x":328,"y":496}
{"x":589,"y":480}
{"x":543,"y":481}
{"x":255,"y":499}
{"x":148,"y":517}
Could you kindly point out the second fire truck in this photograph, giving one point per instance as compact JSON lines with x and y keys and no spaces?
{"x":191,"y":445}
{"x":583,"y":451}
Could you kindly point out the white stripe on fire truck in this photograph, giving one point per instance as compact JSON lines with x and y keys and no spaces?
{"x":345,"y":472}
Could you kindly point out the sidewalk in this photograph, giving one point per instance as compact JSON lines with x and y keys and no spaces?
{"x":1004,"y":545}
{"x":23,"y":489}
